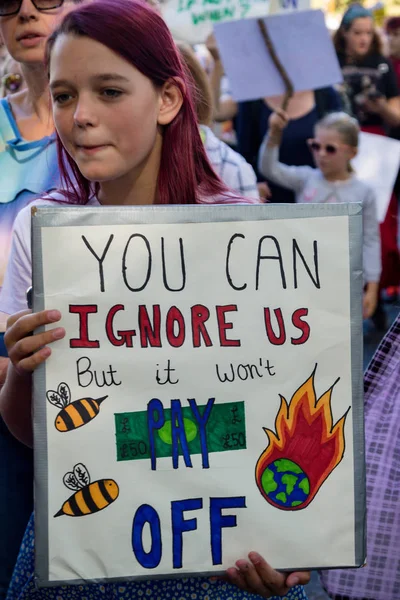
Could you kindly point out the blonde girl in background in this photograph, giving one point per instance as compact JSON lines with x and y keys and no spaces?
{"x":333,"y":180}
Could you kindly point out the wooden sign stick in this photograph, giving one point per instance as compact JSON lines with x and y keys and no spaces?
{"x":275,"y":59}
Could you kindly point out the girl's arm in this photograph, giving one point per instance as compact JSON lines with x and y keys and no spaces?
{"x":26,"y":352}
{"x":370,"y":299}
{"x":371,"y":255}
{"x":292,"y":178}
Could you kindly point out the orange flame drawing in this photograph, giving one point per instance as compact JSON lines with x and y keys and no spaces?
{"x":303,"y":452}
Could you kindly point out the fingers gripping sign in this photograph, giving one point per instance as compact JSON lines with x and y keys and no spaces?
{"x":26,"y":349}
{"x":256,"y":576}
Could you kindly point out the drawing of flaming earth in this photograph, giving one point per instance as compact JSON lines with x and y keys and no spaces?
{"x":303,"y":452}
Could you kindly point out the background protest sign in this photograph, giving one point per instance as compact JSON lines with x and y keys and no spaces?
{"x":207,"y":398}
{"x":193,"y":20}
{"x":378,"y":154}
{"x":302,"y":44}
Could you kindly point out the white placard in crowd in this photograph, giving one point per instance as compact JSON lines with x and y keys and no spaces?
{"x":207,"y":398}
{"x":377,"y":163}
{"x":302,"y":43}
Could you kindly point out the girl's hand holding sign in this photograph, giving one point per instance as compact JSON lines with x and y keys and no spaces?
{"x":26,"y":349}
{"x":26,"y":352}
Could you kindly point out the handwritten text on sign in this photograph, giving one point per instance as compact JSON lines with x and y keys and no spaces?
{"x":180,"y":341}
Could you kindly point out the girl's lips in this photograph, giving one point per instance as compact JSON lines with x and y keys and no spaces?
{"x":31,"y":40}
{"x":91,"y":149}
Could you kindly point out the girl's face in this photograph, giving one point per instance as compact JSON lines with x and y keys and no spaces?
{"x":331,"y":154}
{"x":106,"y":112}
{"x":359,"y":37}
{"x":25,"y":34}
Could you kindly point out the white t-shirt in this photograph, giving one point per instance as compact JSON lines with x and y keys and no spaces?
{"x":18,"y":277}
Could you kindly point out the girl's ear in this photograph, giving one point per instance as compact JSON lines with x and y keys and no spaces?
{"x":171,"y":101}
{"x":353,"y":152}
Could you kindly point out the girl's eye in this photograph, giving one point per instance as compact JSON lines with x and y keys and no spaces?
{"x":111,"y":93}
{"x":61,"y":98}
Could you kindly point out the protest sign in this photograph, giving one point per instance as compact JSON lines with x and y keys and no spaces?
{"x":302,"y":44}
{"x":378,"y":154}
{"x":207,"y":398}
{"x":193,"y":20}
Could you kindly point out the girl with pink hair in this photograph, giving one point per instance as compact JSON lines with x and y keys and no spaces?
{"x":127,"y":134}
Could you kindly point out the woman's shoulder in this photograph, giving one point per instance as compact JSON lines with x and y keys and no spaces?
{"x":377,"y":58}
{"x":378,"y":62}
{"x":54,"y":198}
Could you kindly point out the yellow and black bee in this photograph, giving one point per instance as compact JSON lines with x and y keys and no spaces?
{"x":89,"y":497}
{"x":72,"y":414}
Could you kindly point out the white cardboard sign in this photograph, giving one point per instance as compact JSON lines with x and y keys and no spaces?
{"x":302,"y":43}
{"x":207,"y":398}
{"x":377,"y":163}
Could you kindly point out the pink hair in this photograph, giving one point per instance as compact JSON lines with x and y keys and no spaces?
{"x":137,"y":33}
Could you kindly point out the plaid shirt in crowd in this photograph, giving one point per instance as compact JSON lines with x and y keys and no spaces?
{"x":232,"y":168}
{"x":380,"y":579}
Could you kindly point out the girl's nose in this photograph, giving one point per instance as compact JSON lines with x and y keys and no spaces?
{"x":84,"y":115}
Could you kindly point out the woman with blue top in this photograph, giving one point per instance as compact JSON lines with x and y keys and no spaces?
{"x":28,"y":167}
{"x":28,"y":159}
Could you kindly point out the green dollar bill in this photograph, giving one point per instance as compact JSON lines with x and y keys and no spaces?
{"x":225,"y":431}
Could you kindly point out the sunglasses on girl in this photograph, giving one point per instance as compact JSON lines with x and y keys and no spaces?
{"x":317,"y":147}
{"x":12,"y":7}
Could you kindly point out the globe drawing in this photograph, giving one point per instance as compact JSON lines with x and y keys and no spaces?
{"x":285,"y":483}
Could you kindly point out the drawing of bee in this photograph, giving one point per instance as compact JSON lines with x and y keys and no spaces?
{"x":89,"y":497}
{"x":72,"y":414}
